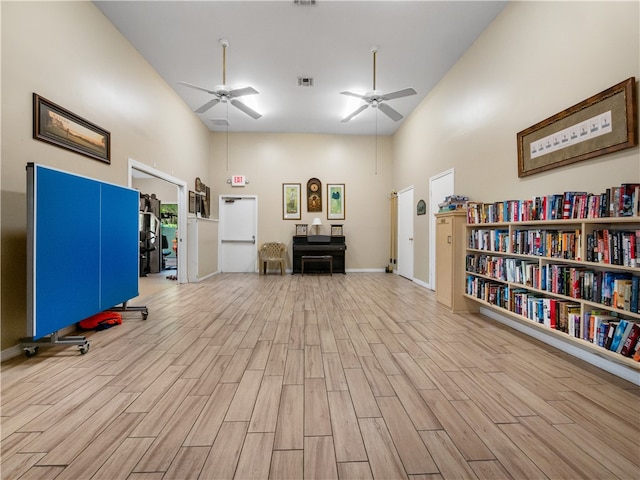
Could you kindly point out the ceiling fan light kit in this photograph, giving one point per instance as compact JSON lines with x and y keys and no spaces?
{"x":376,"y":99}
{"x":223,"y":93}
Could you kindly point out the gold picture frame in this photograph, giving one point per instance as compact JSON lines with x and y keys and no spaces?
{"x":601,"y":124}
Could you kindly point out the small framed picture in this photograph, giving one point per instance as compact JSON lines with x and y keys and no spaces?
{"x":335,"y":201}
{"x":192,"y":201}
{"x":301,"y":229}
{"x":336,"y":230}
{"x":291,"y":201}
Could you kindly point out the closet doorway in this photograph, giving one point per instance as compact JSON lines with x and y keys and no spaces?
{"x":145,"y":179}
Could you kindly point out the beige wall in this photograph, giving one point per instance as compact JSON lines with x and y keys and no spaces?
{"x":71,"y":54}
{"x":536,"y":59}
{"x":268,"y":160}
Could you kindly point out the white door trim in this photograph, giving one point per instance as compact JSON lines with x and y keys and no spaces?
{"x":433,"y":209}
{"x":182,"y":209}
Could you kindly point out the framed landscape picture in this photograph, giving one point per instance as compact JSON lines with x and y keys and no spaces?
{"x":58,"y":126}
{"x":335,"y":201}
{"x":291,"y":201}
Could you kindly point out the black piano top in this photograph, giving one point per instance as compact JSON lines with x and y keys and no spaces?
{"x":318,"y":240}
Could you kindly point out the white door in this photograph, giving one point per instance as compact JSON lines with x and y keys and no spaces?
{"x":405,"y":233}
{"x":440,"y":186}
{"x":238,"y":231}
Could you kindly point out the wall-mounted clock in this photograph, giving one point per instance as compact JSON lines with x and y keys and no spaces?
{"x":314,"y":195}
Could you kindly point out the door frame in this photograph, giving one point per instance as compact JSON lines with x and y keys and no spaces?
{"x":433,"y":209}
{"x":221,"y":198}
{"x":401,"y":192}
{"x":182,"y":209}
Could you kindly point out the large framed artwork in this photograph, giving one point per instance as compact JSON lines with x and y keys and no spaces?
{"x":601,"y":124}
{"x":291,"y":201}
{"x":58,"y":126}
{"x":314,"y":195}
{"x":335,"y":201}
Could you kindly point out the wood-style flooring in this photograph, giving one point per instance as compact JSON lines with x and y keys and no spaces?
{"x":347,"y":376}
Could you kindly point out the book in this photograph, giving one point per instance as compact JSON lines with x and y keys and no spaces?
{"x":624,"y":336}
{"x":610,"y":333}
{"x":635,"y":293}
{"x":617,"y":334}
{"x":629,"y":344}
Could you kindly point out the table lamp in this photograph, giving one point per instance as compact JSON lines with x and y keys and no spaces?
{"x":317,"y":223}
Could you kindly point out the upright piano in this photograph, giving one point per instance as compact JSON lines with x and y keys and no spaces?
{"x":333,"y":245}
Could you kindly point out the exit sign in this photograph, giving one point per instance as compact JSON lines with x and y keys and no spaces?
{"x":238,"y":181}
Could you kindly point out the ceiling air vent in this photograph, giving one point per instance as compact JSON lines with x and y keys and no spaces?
{"x":219,"y":122}
{"x":305,"y":82}
{"x":304,"y":2}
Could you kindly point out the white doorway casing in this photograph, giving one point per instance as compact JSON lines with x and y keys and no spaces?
{"x":405,"y":233}
{"x":237,"y":248}
{"x":182,"y":210}
{"x":440,"y":186}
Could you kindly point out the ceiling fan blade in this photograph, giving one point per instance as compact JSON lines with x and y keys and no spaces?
{"x":208,"y":105}
{"x":353,"y":114}
{"x":390,"y":112}
{"x":197,"y":87}
{"x":239,"y":92}
{"x":352,"y":94}
{"x":399,"y":94}
{"x":249,"y":111}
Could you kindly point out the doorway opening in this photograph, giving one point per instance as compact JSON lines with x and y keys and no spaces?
{"x":165,"y":262}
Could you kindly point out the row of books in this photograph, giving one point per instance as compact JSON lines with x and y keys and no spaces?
{"x":612,"y":289}
{"x":551,"y":243}
{"x":616,"y":247}
{"x":514,"y":270}
{"x":491,"y":292}
{"x":613,"y":247}
{"x":621,"y":201}
{"x":597,"y":327}
{"x":619,"y":290}
{"x":493,"y":240}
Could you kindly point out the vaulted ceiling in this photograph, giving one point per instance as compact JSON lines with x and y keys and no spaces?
{"x":274,"y":44}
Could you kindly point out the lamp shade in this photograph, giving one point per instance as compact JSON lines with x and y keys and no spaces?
{"x":317,"y":221}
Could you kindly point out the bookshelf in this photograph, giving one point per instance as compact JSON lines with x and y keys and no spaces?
{"x":561,"y":279}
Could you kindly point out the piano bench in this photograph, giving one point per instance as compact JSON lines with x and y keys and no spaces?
{"x":317,"y":258}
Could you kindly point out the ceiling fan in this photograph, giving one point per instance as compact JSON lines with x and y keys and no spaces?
{"x":376,"y":99}
{"x":223,"y":93}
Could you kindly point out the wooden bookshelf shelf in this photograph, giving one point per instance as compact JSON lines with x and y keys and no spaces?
{"x":576,"y":280}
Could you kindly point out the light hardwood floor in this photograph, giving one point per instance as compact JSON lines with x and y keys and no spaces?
{"x":357,"y":376}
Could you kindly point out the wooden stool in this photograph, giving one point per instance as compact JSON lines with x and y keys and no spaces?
{"x":318,"y":258}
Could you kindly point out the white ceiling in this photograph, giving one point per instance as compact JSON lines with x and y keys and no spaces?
{"x":272,"y":43}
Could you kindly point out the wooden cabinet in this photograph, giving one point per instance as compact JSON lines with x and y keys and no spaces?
{"x":450,"y":255}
